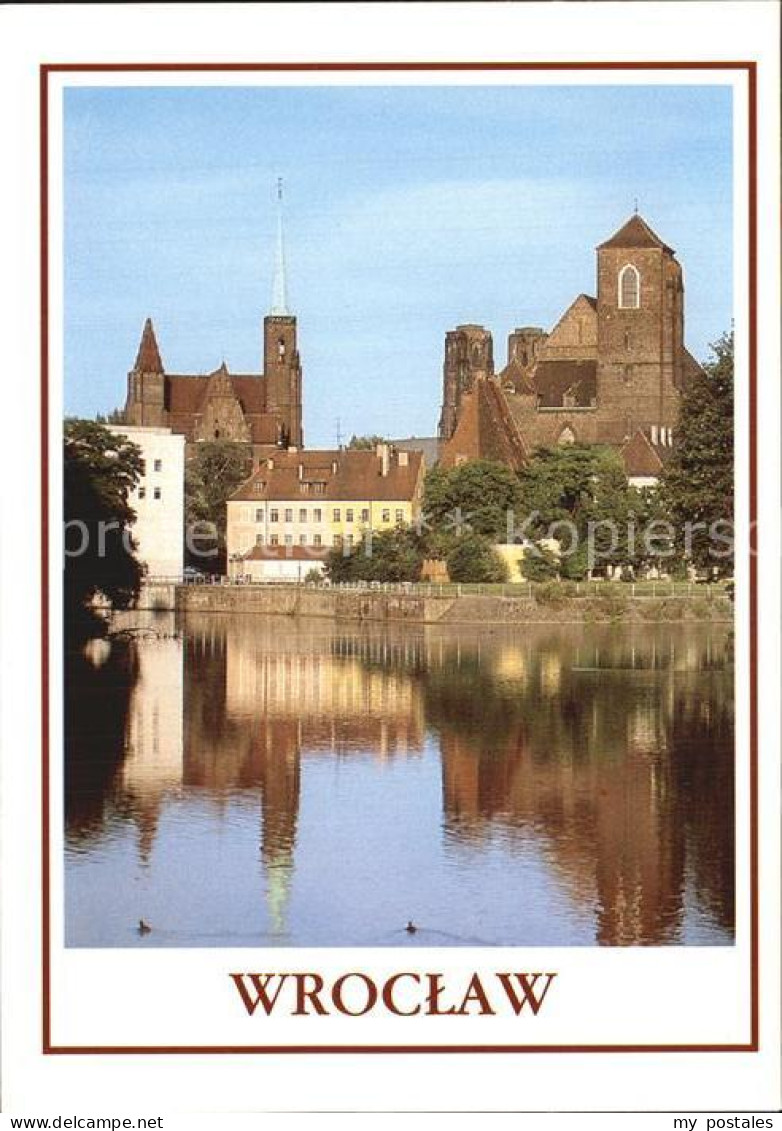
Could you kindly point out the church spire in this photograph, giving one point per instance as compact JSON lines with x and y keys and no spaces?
{"x":279,"y":290}
{"x":148,"y":356}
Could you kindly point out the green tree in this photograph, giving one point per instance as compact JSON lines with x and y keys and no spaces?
{"x":389,"y":555}
{"x":579,"y":495}
{"x":100,"y":471}
{"x":697,"y":485}
{"x":212,"y":475}
{"x":478,"y":494}
{"x":539,"y":563}
{"x":364,"y":443}
{"x":473,"y":558}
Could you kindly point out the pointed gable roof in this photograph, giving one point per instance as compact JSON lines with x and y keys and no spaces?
{"x":148,"y":356}
{"x":636,"y":233}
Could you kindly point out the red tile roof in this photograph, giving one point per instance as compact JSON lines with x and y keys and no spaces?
{"x":333,"y":475}
{"x":284,"y":553}
{"x":554,"y":379}
{"x":642,"y":458}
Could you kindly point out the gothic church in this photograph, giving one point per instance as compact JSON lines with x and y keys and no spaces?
{"x":261,"y":409}
{"x":611,"y":371}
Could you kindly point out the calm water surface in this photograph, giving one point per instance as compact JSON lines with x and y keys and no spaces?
{"x":246,"y":781}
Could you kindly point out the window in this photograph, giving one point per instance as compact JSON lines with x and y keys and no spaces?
{"x":302,"y":539}
{"x":158,"y":465}
{"x":274,"y":540}
{"x":349,"y":515}
{"x":629,"y":287}
{"x":386,"y":516}
{"x":319,"y":488}
{"x":288,"y":539}
{"x":317,"y":540}
{"x":317,"y":515}
{"x":349,"y":541}
{"x":258,"y":539}
{"x":156,"y":493}
{"x":303,"y":514}
{"x":337,"y":514}
{"x":365,"y":515}
{"x":274,"y":515}
{"x":338,"y":541}
{"x":259,"y":514}
{"x":400,"y":516}
{"x":289,"y":514}
{"x":142,"y":492}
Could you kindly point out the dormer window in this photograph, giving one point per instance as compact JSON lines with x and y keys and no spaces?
{"x":629,"y":288}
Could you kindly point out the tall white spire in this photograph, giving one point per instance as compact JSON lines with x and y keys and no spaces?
{"x":279,"y":290}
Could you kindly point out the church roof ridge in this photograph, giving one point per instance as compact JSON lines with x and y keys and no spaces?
{"x":635,"y":232}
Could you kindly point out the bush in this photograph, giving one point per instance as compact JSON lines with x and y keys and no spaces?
{"x":474,"y":559}
{"x":539,"y":564}
{"x":313,"y":577}
{"x":552,"y":593}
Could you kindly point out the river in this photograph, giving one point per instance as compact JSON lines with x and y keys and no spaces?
{"x":262,"y":781}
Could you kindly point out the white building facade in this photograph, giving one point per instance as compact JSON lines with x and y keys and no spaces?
{"x":159,"y":499}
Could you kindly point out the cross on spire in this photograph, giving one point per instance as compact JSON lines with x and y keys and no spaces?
{"x":279,"y":289}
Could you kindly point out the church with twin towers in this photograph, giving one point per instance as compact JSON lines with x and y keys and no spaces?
{"x":262,"y":409}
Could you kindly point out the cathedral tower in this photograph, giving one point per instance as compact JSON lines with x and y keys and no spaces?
{"x":281,"y":363}
{"x":640,"y":328}
{"x":468,"y":357}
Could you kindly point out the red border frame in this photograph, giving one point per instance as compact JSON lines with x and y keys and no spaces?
{"x":750,"y":68}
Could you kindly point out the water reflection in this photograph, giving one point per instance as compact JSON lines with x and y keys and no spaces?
{"x":305,"y":783}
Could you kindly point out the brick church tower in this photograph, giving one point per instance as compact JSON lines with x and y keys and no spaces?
{"x":640,"y":327}
{"x":468,"y":357}
{"x":281,"y":363}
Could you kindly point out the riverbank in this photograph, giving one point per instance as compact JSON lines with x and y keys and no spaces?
{"x":546,"y":605}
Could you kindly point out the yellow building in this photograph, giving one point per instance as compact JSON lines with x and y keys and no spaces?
{"x":311,"y":501}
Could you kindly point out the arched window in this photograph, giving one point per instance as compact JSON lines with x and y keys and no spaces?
{"x":629,"y":287}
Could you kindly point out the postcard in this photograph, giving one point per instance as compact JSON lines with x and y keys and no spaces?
{"x":397,"y":680}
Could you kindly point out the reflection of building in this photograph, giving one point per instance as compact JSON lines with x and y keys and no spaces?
{"x":159,"y":499}
{"x":606,"y":755}
{"x":153,"y":763}
{"x":611,"y":371}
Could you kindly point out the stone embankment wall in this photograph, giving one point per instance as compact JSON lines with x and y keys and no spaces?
{"x":358,"y":605}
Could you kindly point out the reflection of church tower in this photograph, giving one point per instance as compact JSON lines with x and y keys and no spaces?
{"x":153,"y":765}
{"x":281,"y":362}
{"x":277,"y":757}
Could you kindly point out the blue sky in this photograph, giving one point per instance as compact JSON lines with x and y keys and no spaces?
{"x":408,"y":210}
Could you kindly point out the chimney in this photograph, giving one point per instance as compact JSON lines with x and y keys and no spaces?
{"x":334,"y":466}
{"x":383,"y":456}
{"x":301,"y":471}
{"x":654,"y":434}
{"x":402,"y":459}
{"x":270,"y":464}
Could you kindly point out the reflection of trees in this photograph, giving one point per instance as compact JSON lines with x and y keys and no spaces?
{"x":629,"y":794}
{"x":96,"y":705}
{"x":705,"y":788}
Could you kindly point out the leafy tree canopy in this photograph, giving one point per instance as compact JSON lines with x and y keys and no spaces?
{"x":365,"y":443}
{"x":389,"y":555}
{"x":473,"y":558}
{"x":477,"y":494}
{"x":100,"y":471}
{"x":697,"y":485}
{"x":212,"y":474}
